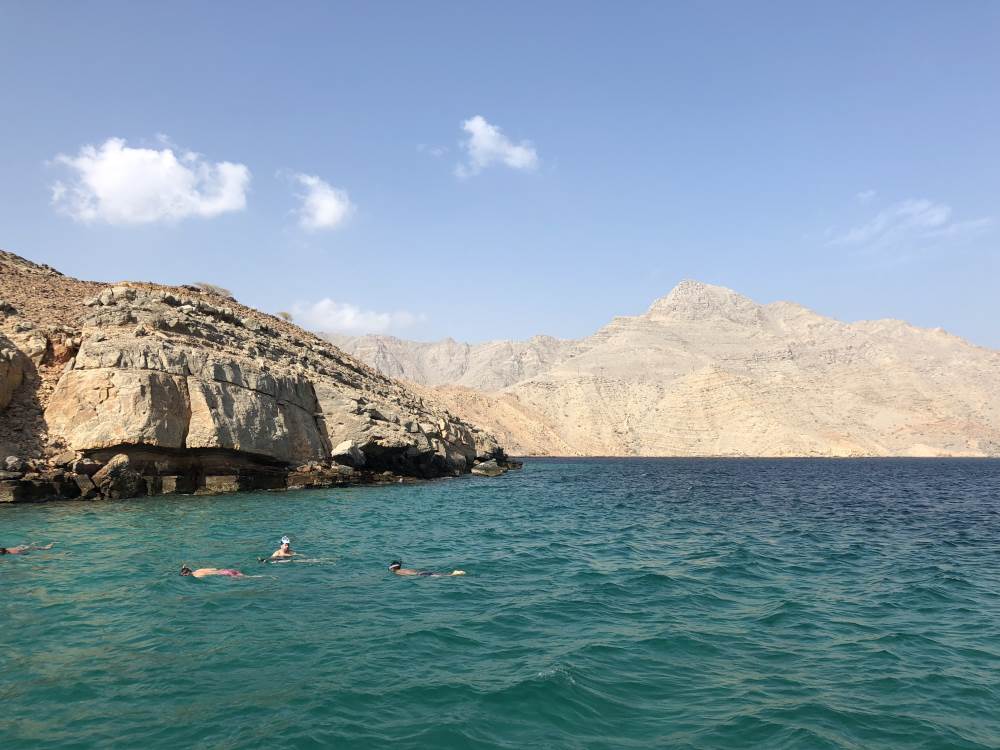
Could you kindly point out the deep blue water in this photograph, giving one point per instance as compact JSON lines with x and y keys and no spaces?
{"x":608,"y":604}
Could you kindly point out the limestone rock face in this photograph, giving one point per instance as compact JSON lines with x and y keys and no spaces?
{"x":11,"y":370}
{"x":105,"y":407}
{"x":180,"y":378}
{"x":709,"y":372}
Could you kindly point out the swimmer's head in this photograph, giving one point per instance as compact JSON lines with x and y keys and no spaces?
{"x":395,"y":565}
{"x":185,"y":570}
{"x":3,"y":550}
{"x":285,"y":541}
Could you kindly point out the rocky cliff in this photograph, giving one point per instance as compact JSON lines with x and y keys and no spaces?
{"x":199,"y":392}
{"x":708,"y":372}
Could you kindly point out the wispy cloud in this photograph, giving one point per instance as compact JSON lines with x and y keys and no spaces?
{"x":115,"y":183}
{"x":331,"y":316}
{"x":436,"y":151}
{"x":907,"y":223}
{"x":486,"y":145}
{"x":323,"y":206}
{"x":865,"y":195}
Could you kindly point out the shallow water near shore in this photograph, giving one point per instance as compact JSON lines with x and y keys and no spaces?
{"x":608,"y":604}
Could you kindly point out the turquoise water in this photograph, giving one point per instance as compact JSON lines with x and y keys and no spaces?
{"x":609,"y":604}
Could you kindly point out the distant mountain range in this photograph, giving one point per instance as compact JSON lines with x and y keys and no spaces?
{"x":708,"y":372}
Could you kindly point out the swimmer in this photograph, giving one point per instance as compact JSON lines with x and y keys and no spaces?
{"x":23,"y":549}
{"x":284,"y":553}
{"x":396,"y":566}
{"x":202,"y":572}
{"x":285,"y":550}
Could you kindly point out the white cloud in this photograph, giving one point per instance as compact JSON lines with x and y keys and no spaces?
{"x":117,"y":184}
{"x":909,"y":222}
{"x":487,"y":145}
{"x":865,"y":195}
{"x":331,"y":316}
{"x":323,"y":206}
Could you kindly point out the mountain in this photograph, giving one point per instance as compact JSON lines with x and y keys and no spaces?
{"x":193,"y":390}
{"x":490,"y":366}
{"x":708,"y":372}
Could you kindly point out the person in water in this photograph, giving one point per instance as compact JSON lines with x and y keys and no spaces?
{"x":396,"y":566}
{"x":23,"y":549}
{"x":285,"y":550}
{"x":203,"y":572}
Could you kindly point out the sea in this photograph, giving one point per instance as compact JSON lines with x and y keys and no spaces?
{"x":608,"y":603}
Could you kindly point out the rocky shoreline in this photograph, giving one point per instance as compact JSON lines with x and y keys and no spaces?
{"x":184,"y":390}
{"x":121,"y":478}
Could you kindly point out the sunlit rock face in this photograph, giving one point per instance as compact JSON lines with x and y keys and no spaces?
{"x":708,"y":372}
{"x":175,"y":378}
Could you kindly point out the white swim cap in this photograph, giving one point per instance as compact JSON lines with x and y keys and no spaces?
{"x":285,"y":540}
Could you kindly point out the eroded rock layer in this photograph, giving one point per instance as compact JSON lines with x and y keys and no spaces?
{"x":190,"y":383}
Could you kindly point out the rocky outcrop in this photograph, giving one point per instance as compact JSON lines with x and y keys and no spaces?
{"x":117,"y":480}
{"x":488,"y":468}
{"x":708,"y":372}
{"x":11,"y":370}
{"x":199,"y":393}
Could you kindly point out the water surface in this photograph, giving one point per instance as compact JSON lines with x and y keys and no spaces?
{"x":609,"y":604}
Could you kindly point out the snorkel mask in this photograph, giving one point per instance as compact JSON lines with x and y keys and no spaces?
{"x":395,"y":565}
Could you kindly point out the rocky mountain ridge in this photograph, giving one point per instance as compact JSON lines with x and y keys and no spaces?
{"x":198,"y":393}
{"x":489,"y":366}
{"x":706,"y":371}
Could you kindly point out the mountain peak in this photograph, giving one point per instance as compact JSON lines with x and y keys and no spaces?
{"x":695,"y":300}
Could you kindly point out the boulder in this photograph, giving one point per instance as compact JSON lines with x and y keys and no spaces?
{"x":488,"y":468}
{"x":86,"y":466}
{"x":118,"y":480}
{"x":65,"y":458}
{"x":349,"y":454}
{"x":88,"y":490}
{"x":15,"y":464}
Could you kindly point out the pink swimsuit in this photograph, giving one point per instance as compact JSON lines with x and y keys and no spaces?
{"x":232,"y":572}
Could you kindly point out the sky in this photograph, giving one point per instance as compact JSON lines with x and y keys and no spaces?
{"x":498,"y":170}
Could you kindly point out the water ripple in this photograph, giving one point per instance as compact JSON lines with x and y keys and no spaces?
{"x":609,"y":604}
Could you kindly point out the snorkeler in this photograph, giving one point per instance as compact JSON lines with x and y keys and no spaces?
{"x":285,"y":550}
{"x":23,"y":549}
{"x":282,"y":554}
{"x":202,"y":572}
{"x":396,"y":566}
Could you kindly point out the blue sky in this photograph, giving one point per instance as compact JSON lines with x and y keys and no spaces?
{"x":493,"y":170}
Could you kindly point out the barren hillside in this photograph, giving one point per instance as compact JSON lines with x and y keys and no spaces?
{"x":708,"y":372}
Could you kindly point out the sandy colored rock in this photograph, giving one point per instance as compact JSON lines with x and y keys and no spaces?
{"x":104,"y":408}
{"x":190,"y":373}
{"x":11,"y":370}
{"x":348,"y":453}
{"x":489,"y":366}
{"x":708,"y":372}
